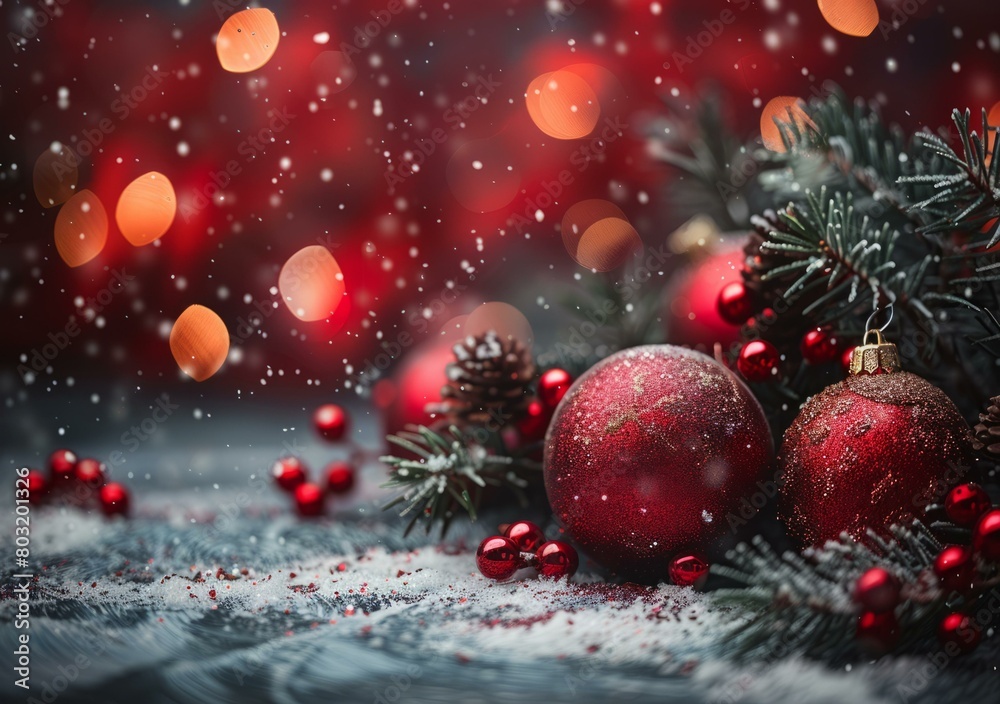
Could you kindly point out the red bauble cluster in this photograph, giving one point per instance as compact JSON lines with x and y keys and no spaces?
{"x":330,"y":421}
{"x":291,"y":475}
{"x":759,"y":361}
{"x":552,"y":386}
{"x":523,"y":544}
{"x":77,"y":482}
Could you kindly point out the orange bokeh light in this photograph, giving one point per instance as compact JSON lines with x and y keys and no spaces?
{"x":55,"y":177}
{"x":81,"y":228}
{"x":247,"y":40}
{"x":146,"y":208}
{"x":312,"y":284}
{"x":199,"y":342}
{"x":856,"y":18}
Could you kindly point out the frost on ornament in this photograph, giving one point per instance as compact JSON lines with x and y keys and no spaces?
{"x":312,"y":284}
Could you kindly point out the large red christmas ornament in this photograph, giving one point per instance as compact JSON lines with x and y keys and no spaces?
{"x":863,"y":452}
{"x":556,"y":559}
{"x":966,"y":504}
{"x":114,"y":499}
{"x":689,"y":571}
{"x":62,"y":463}
{"x":288,"y":473}
{"x":648,"y":453}
{"x":877,"y":590}
{"x":498,"y":557}
{"x":986,"y":536}
{"x":330,"y":421}
{"x":960,"y":630}
{"x":758,"y":361}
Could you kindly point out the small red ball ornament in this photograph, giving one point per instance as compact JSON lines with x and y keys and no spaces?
{"x":526,"y":535}
{"x":955,"y":567}
{"x":648,"y":453}
{"x":38,"y":486}
{"x":846,"y":357}
{"x":89,"y":471}
{"x":498,"y":557}
{"x":308,"y":500}
{"x":966,"y":504}
{"x":877,"y":633}
{"x":556,"y":559}
{"x":339,"y":477}
{"x":960,"y":631}
{"x":330,"y":421}
{"x":819,"y":346}
{"x":863,"y":452}
{"x":535,"y":421}
{"x":553,"y":385}
{"x":114,"y":499}
{"x":986,"y":536}
{"x":877,"y":590}
{"x":62,"y":463}
{"x":289,"y":473}
{"x":758,"y":361}
{"x":689,"y":571}
{"x":735,"y":303}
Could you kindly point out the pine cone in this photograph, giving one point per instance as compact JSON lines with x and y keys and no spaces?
{"x":488,"y":383}
{"x":986,"y":440}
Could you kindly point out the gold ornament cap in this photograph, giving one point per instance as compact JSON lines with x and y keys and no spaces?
{"x":879,"y":358}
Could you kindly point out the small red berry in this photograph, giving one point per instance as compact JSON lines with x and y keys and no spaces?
{"x":330,"y":421}
{"x":877,"y":590}
{"x":38,"y":486}
{"x":553,"y":385}
{"x":339,"y":477}
{"x":89,"y":471}
{"x":62,"y":463}
{"x":877,"y":633}
{"x":498,"y":557}
{"x":735,"y":303}
{"x":959,"y":630}
{"x":525,"y":534}
{"x":288,"y":473}
{"x":114,"y":499}
{"x":308,"y":500}
{"x":966,"y":504}
{"x":955,"y":567}
{"x":986,"y":536}
{"x":556,"y":559}
{"x":819,"y":346}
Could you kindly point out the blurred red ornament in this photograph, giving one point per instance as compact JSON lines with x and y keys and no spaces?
{"x":692,"y":314}
{"x":38,"y":486}
{"x":877,"y":590}
{"x":308,"y":500}
{"x":525,"y":534}
{"x":416,"y":384}
{"x":89,"y":471}
{"x":959,"y":630}
{"x":330,"y":421}
{"x":735,"y":303}
{"x":289,"y":473}
{"x":877,"y":633}
{"x":955,"y":567}
{"x":819,"y":346}
{"x":556,"y":559}
{"x":498,"y":557}
{"x":553,"y":385}
{"x":648,"y":453}
{"x":535,"y":421}
{"x":862,"y":452}
{"x":689,"y":571}
{"x":966,"y":504}
{"x":114,"y":499}
{"x":758,"y":361}
{"x":339,"y":477}
{"x":62,"y":463}
{"x":846,"y":357}
{"x":986,"y":536}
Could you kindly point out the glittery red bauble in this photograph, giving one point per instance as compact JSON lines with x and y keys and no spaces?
{"x":525,"y":534}
{"x":865,"y":453}
{"x":89,"y":471}
{"x":966,"y":504}
{"x":308,"y":500}
{"x":339,"y":477}
{"x":758,"y":361}
{"x":556,"y":559}
{"x":689,"y":571}
{"x":38,"y":486}
{"x":288,"y":473}
{"x":498,"y":557}
{"x":114,"y":499}
{"x":877,"y":590}
{"x":959,"y":630}
{"x":819,"y":346}
{"x":735,"y":303}
{"x":648,"y":453}
{"x":553,"y":385}
{"x":955,"y":567}
{"x":986,"y":536}
{"x":62,"y":463}
{"x":330,"y":421}
{"x":877,"y":633}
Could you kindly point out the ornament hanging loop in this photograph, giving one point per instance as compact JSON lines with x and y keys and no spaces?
{"x":871,"y":319}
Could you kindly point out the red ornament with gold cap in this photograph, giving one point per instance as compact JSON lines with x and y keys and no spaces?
{"x":869,"y":451}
